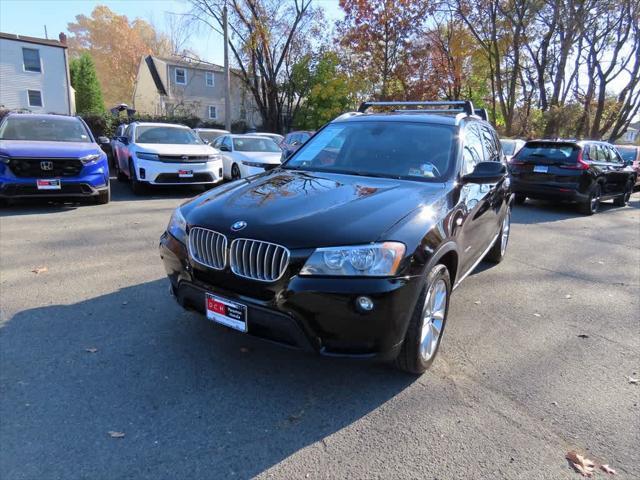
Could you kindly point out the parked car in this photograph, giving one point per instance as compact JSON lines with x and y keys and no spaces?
{"x":631,"y":156}
{"x":51,"y":156}
{"x":273,"y":136}
{"x":165,"y":154}
{"x":585,"y":172}
{"x":113,"y":143}
{"x":246,"y":155}
{"x":511,"y":146}
{"x":350,"y":254}
{"x":294,"y":140}
{"x":209,"y":135}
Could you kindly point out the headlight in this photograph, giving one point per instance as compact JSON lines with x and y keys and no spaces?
{"x":254,"y":164}
{"x":4,"y":159}
{"x":214,"y":158}
{"x":178,"y":226}
{"x":90,"y":158}
{"x":374,"y":260}
{"x":147,"y":156}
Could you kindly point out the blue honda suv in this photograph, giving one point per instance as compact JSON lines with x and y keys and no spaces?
{"x":51,"y":156}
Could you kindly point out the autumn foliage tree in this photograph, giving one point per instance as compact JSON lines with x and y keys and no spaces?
{"x":116,"y":45}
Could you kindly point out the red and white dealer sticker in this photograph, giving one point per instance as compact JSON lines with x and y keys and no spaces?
{"x":185,"y":173}
{"x":49,"y":184}
{"x":226,"y":312}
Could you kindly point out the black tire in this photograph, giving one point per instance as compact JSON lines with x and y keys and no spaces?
{"x":410,"y":358}
{"x":592,"y":204}
{"x":235,"y":172}
{"x":499,"y":249}
{"x":120,"y":175}
{"x":104,"y":197}
{"x":623,"y":199}
{"x":137,"y":187}
{"x":519,"y":199}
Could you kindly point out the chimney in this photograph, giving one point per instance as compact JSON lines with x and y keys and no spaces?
{"x":63,"y":38}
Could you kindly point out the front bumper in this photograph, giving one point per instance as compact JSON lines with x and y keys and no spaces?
{"x":163,"y":173}
{"x":93,"y":179}
{"x":312,"y":314}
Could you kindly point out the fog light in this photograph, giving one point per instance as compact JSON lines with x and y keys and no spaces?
{"x":220,"y":172}
{"x":143,"y":173}
{"x":364,"y":304}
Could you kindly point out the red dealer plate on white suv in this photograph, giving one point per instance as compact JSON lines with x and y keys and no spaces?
{"x":185,"y":173}
{"x":226,"y":312}
{"x":48,"y":184}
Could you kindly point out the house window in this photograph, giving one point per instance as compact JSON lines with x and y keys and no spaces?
{"x":35,"y":98}
{"x":181,"y":76}
{"x":31,"y":60}
{"x":212,"y":112}
{"x":208,"y":79}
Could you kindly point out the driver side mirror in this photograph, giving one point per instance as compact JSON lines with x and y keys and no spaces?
{"x":486,"y":172}
{"x":123,"y":140}
{"x":103,"y":140}
{"x":224,"y":148}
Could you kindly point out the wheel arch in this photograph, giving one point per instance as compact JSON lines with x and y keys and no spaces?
{"x":449,"y":256}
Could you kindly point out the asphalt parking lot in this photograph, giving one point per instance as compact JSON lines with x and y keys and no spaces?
{"x":534,"y":363}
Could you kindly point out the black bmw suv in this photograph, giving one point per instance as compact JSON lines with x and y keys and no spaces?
{"x":584,"y":172}
{"x":353,"y":246}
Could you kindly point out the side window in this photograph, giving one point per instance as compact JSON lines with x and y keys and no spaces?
{"x":599,"y":151}
{"x":614,"y":155}
{"x":129,"y":132}
{"x":217,"y":142}
{"x":491,"y":151}
{"x":227,"y":142}
{"x":472,"y":152}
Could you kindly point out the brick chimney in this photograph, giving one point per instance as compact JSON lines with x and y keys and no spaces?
{"x":63,"y":38}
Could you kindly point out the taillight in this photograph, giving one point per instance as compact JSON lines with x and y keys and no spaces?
{"x":514,"y":160}
{"x":580,"y":163}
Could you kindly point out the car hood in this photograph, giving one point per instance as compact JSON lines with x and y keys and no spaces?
{"x":170,"y":149}
{"x":23,"y":148}
{"x":303,"y":209}
{"x":263,"y":157}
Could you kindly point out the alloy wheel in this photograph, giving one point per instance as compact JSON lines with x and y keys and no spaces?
{"x":435,"y":308}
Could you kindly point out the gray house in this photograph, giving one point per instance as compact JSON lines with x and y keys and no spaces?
{"x":34,"y":74}
{"x":178,"y":86}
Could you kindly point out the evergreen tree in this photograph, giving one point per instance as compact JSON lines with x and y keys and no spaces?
{"x":85,"y":82}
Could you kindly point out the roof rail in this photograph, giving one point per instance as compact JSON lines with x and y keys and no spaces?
{"x":465,"y":106}
{"x":346,"y":115}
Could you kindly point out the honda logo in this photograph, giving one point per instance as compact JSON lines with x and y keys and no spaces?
{"x":46,"y":165}
{"x":185,"y":157}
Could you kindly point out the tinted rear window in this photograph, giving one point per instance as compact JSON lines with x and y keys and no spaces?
{"x":549,"y":153}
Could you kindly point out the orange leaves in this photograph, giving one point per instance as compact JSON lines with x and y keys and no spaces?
{"x":585,"y":466}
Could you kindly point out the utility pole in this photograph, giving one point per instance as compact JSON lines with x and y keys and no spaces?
{"x":227,"y":73}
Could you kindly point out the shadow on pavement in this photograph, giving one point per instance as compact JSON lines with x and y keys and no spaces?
{"x":193,"y":399}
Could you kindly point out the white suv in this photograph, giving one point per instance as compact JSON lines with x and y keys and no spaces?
{"x":165,"y":154}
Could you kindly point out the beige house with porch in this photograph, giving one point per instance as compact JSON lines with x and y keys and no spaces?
{"x":179,"y":86}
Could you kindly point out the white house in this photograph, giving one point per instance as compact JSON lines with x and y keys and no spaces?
{"x":34,"y":75}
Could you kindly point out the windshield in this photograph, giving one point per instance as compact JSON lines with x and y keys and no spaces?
{"x":166,"y":135}
{"x":508,"y":146}
{"x":628,"y":154}
{"x":51,"y":129}
{"x":210,"y":136}
{"x":548,"y":152}
{"x":388,"y":149}
{"x":255,"y":145}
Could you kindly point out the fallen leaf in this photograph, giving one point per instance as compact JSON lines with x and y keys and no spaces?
{"x":40,"y":270}
{"x":555,"y":404}
{"x":91,"y":349}
{"x":537,"y":315}
{"x":580,"y":464}
{"x":582,"y":335}
{"x":477,"y":302}
{"x":114,"y":434}
{"x":567,"y":296}
{"x":632,"y":380}
{"x":601,"y":262}
{"x":607,"y":469}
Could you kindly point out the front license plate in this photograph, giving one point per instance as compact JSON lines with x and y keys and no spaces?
{"x":226,"y":312}
{"x":540,"y":169}
{"x":48,"y":184}
{"x":185,"y":173}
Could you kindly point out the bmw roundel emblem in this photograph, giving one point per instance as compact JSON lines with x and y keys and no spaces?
{"x":239,"y":225}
